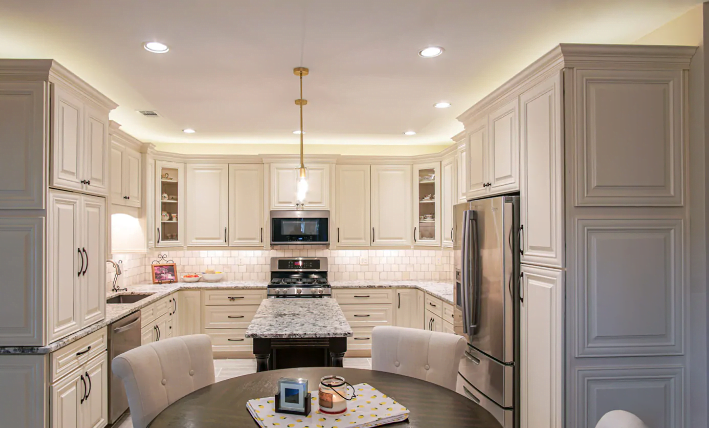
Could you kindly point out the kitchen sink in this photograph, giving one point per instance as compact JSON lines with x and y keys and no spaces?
{"x":127,"y":298}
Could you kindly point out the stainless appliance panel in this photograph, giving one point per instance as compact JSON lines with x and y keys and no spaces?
{"x":504,"y":416}
{"x":492,"y":378}
{"x":123,"y":335}
{"x":300,"y":227}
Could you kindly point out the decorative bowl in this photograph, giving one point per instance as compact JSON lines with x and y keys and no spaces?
{"x":191,"y":278}
{"x":212,"y":277}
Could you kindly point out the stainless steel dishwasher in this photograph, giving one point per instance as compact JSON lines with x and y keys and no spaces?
{"x":123,"y":335}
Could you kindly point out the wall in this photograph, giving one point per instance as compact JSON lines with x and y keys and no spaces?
{"x":135,"y":268}
{"x":689,"y":29}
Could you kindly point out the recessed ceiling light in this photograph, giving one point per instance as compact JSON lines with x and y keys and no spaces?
{"x":297,"y":132}
{"x":442,"y":105}
{"x":431,"y":52}
{"x":155,"y":47}
{"x":189,"y":131}
{"x":410,"y":133}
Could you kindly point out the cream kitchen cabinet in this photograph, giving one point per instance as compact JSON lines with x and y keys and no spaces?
{"x":427,"y":204}
{"x":477,"y":155}
{"x":503,"y":148}
{"x":462,"y":172}
{"x":80,"y":400}
{"x":207,"y":205}
{"x":448,"y":199}
{"x":126,"y":173}
{"x":76,"y":233}
{"x":409,"y":310}
{"x":170,"y":204}
{"x":283,"y":186}
{"x":189,"y":312}
{"x":391,"y":205}
{"x":246,"y":221}
{"x":225,"y":316}
{"x":364,"y":309}
{"x":353,"y":205}
{"x":433,"y":322}
{"x":79,"y":144}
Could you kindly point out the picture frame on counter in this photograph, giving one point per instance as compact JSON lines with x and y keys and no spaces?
{"x":165,"y":272}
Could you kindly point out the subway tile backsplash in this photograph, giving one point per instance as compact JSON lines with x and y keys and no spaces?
{"x":344,"y":265}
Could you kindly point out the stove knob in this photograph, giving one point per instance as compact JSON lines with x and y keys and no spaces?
{"x":298,"y":291}
{"x":320,"y":291}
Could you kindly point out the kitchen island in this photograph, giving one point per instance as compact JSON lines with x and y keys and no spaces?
{"x":299,"y":332}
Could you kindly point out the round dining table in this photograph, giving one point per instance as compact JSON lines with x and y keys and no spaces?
{"x":223,"y":404}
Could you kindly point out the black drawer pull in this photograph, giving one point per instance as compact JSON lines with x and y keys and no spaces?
{"x":361,"y":338}
{"x":361,"y":296}
{"x":235,"y":316}
{"x":83,"y":352}
{"x":362,"y":316}
{"x":431,"y":304}
{"x":235,"y":340}
{"x":232,"y":298}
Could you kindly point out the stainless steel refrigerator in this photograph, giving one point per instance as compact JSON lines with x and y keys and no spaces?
{"x":487,"y":270}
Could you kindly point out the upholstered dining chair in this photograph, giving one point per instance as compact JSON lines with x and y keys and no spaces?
{"x":620,"y":419}
{"x":426,"y":355}
{"x":158,"y":374}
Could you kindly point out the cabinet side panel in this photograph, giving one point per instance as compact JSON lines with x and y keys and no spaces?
{"x":24,"y":401}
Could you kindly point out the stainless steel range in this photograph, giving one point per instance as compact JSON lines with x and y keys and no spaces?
{"x":299,"y":277}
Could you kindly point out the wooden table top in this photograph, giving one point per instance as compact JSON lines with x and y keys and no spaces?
{"x":224,"y":403}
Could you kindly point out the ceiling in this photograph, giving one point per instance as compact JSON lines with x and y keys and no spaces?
{"x":229,"y":70}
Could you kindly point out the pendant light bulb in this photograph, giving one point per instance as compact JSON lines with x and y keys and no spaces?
{"x":301,"y":189}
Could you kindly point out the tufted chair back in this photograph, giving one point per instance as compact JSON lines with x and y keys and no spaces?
{"x":426,"y":355}
{"x":620,"y":419}
{"x":158,"y":374}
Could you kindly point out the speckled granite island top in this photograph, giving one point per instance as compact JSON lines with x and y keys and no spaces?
{"x":299,"y":318}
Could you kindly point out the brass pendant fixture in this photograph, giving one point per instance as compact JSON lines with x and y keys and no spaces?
{"x":302,"y":184}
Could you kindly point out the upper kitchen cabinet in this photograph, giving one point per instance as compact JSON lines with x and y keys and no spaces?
{"x":246,"y":220}
{"x":448,"y":199}
{"x":352,"y":210}
{"x":427,"y":204}
{"x":476,"y":143}
{"x":207,"y":205}
{"x":462,"y":167}
{"x":283,"y":186}
{"x":169,"y":212}
{"x":391,"y":205}
{"x":503,"y":149}
{"x":126,"y":169}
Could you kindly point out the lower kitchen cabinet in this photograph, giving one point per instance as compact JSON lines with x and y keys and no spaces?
{"x":156,"y":320}
{"x":189,"y":312}
{"x":225,"y":315}
{"x":409,"y":308}
{"x":80,"y":400}
{"x":364,"y":309}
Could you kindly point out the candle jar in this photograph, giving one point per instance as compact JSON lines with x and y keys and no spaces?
{"x":332,"y":394}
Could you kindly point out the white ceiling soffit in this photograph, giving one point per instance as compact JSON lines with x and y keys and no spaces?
{"x":229,"y":76}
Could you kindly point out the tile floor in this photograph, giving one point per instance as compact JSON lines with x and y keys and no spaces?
{"x":227,"y":369}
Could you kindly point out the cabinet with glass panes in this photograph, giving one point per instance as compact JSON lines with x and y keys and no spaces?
{"x":170,"y":195}
{"x":427,"y":195}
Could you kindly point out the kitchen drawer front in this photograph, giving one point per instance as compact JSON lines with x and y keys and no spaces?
{"x":492,"y":378}
{"x":503,"y":416}
{"x":155,"y":310}
{"x":233,"y":297}
{"x":228,"y":316}
{"x":368,"y":315}
{"x":434,"y":305}
{"x":363,"y":295}
{"x":448,"y":313}
{"x":362,"y":338}
{"x":72,"y":356}
{"x":232,"y":339}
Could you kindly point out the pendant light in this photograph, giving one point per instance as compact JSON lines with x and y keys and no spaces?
{"x":302,"y":183}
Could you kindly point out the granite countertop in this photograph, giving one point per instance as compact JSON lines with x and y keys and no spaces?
{"x":114,"y":312}
{"x":299,"y":318}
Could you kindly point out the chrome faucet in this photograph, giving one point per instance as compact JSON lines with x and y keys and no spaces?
{"x":119,"y":271}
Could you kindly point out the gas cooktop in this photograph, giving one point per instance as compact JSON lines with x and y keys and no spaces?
{"x":299,"y":277}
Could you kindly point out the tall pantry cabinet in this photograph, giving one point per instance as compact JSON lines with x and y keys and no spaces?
{"x":54,"y":180}
{"x":603,"y":234}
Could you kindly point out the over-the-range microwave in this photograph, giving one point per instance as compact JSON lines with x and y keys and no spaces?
{"x":300,"y":227}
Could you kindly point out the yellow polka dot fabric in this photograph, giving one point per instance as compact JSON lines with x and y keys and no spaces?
{"x":378,"y":410}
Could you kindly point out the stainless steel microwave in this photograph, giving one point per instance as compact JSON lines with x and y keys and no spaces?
{"x":300,"y":227}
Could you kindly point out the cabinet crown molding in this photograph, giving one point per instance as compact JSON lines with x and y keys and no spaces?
{"x":123,"y":138}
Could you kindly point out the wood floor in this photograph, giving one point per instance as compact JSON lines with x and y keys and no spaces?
{"x":227,"y":369}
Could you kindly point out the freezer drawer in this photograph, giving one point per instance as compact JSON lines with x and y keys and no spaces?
{"x":489,"y":376}
{"x":504,"y":416}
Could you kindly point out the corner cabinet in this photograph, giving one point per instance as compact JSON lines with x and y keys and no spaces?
{"x":427,"y":204}
{"x":284,"y":178}
{"x":352,"y":206}
{"x":207,"y":205}
{"x":246,"y":220}
{"x":391,"y":205}
{"x":170,"y":199}
{"x":409,"y":308}
{"x":126,"y":173}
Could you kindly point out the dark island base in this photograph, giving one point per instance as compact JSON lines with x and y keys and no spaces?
{"x":274,"y":354}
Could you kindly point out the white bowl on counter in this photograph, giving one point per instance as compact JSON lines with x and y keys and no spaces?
{"x":191,"y":279}
{"x":212,"y":277}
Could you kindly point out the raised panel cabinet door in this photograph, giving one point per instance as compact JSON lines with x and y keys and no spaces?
{"x":25,"y":391}
{"x":23,"y":119}
{"x":391,"y":205}
{"x":409,"y":308}
{"x":503,"y":148}
{"x":462,"y":172}
{"x":93,"y":248}
{"x":117,"y":191}
{"x":65,"y":264}
{"x":66,"y":401}
{"x":207,"y":205}
{"x":94,"y":410}
{"x":173,"y":324}
{"x":161,"y":328}
{"x":96,"y":149}
{"x":246,"y":205}
{"x":448,"y":200}
{"x":318,"y":195}
{"x":541,"y":192}
{"x":148,"y":334}
{"x":426,"y":186}
{"x":189,"y":312}
{"x":353,"y":196}
{"x":629,"y":131}
{"x":477,"y":162}
{"x":132,"y":178}
{"x":149,"y":189}
{"x":283,"y":186}
{"x":67,"y":147}
{"x":541,"y":347}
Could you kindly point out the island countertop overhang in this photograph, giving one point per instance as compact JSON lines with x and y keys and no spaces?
{"x":299,"y":318}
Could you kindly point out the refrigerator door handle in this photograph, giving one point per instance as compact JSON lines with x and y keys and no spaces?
{"x":475,"y":273}
{"x":465,"y":269}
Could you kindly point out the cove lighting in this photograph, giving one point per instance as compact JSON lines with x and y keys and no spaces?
{"x":189,"y":131}
{"x":410,"y":133}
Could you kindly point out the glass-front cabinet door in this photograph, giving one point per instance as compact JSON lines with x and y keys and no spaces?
{"x":427,"y":204}
{"x":169,"y":211}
